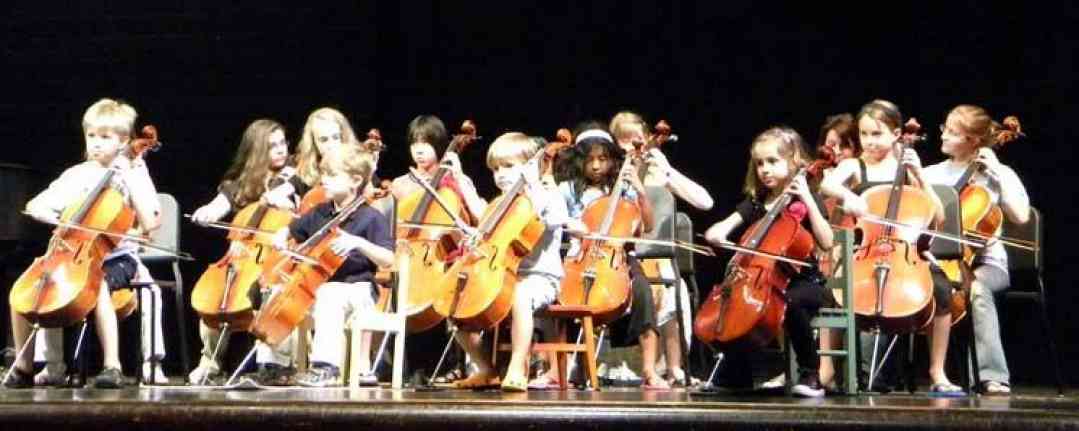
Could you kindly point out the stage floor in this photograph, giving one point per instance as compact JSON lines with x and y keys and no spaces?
{"x":187,"y":408}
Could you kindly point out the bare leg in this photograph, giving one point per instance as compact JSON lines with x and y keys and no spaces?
{"x":520,"y":338}
{"x":364,"y":361}
{"x":472,"y":343}
{"x":20,"y":331}
{"x":827,"y":365}
{"x":107,"y":331}
{"x":938,"y":347}
{"x":649,"y":350}
{"x":673,"y":348}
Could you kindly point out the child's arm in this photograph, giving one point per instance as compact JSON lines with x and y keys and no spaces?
{"x":833,"y":185}
{"x":49,"y":204}
{"x":213,"y":211}
{"x":822,"y":230}
{"x":648,"y":220}
{"x":680,"y":184}
{"x":143,"y":194}
{"x":717,"y":234}
{"x":1013,"y":196}
{"x":375,"y":242}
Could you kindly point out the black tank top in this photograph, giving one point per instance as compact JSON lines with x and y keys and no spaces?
{"x":863,"y":180}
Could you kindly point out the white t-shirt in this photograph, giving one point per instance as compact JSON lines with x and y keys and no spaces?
{"x":546,"y":257}
{"x":948,"y":173}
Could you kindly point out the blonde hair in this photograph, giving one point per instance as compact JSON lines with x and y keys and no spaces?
{"x":115,"y":115}
{"x":350,"y":160}
{"x":512,"y":146}
{"x":307,"y":155}
{"x":623,"y":119}
{"x":791,"y":147}
{"x":976,"y":123}
{"x":250,"y":168}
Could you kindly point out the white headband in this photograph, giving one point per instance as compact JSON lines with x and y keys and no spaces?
{"x":593,"y":134}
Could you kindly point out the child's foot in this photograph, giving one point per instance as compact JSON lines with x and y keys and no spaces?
{"x":655,"y":383}
{"x":479,"y":380}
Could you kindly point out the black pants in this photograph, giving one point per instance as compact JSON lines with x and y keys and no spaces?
{"x":805,"y":297}
{"x":642,"y":316}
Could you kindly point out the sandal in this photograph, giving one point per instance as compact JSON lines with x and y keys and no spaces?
{"x":946,"y":390}
{"x":655,"y":384}
{"x":450,"y":377}
{"x":544,"y":383}
{"x":991,"y":387}
{"x":477,"y":381}
{"x":515,"y":384}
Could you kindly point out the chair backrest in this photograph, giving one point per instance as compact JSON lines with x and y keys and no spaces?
{"x":1025,"y":260}
{"x":663,"y":211}
{"x":953,"y":224}
{"x":168,"y":235}
{"x":683,"y":231}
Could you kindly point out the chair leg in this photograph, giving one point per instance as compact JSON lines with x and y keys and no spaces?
{"x":590,"y":352}
{"x":181,"y":318}
{"x":138,"y":344}
{"x":1048,"y":330}
{"x":560,"y":356}
{"x":679,"y":314}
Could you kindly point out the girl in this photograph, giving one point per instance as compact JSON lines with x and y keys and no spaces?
{"x":593,"y":169}
{"x":775,"y":156}
{"x":630,"y":130}
{"x":325,"y":129}
{"x":260,"y":165}
{"x":968,"y":136}
{"x":107,"y":127}
{"x":879,"y":128}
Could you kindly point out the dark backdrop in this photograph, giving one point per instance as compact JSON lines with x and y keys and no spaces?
{"x":718,"y":72}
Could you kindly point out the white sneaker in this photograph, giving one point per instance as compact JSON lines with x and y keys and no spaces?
{"x":776,"y":382}
{"x":155,"y":377}
{"x":54,"y":374}
{"x":203,"y":372}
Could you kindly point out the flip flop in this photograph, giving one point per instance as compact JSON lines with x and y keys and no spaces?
{"x":946,"y":390}
{"x":477,"y":381}
{"x":515,"y":385}
{"x":543,"y":383}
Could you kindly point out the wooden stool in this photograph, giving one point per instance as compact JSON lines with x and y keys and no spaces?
{"x":561,"y":346}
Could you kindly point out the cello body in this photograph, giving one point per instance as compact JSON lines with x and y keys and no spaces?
{"x":599,"y":275}
{"x":745,"y":311}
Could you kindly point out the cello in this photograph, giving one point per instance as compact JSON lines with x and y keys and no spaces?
{"x":599,"y":275}
{"x":308,"y":266}
{"x":429,"y":248}
{"x":746,"y":310}
{"x":477,"y":291}
{"x":893,"y":287}
{"x":61,"y":287}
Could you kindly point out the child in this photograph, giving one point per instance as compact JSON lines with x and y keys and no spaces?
{"x":879,"y":127}
{"x":538,"y":275}
{"x":427,"y":138}
{"x":259,"y":166}
{"x":594,"y":169}
{"x":629,"y":130}
{"x":775,"y":156}
{"x":364,"y":237}
{"x":107,"y":127}
{"x":968,"y":136}
{"x":325,"y":129}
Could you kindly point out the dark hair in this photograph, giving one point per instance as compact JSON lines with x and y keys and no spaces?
{"x":846,"y":128}
{"x":429,"y":129}
{"x":570,"y":164}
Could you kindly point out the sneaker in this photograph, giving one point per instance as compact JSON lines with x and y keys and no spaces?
{"x":274,"y":375}
{"x":54,"y":374}
{"x":110,"y":378}
{"x":319,"y":376}
{"x":19,"y":379}
{"x":367,"y":380}
{"x":205,"y":373}
{"x":808,"y":387}
{"x":776,"y":382}
{"x":154,"y":376}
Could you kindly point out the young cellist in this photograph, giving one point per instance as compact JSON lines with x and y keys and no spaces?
{"x":107,"y":131}
{"x":631,"y":131}
{"x":593,"y":167}
{"x":967,"y":138}
{"x":539,"y":273}
{"x":775,"y":156}
{"x":260,"y":165}
{"x":879,"y":128}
